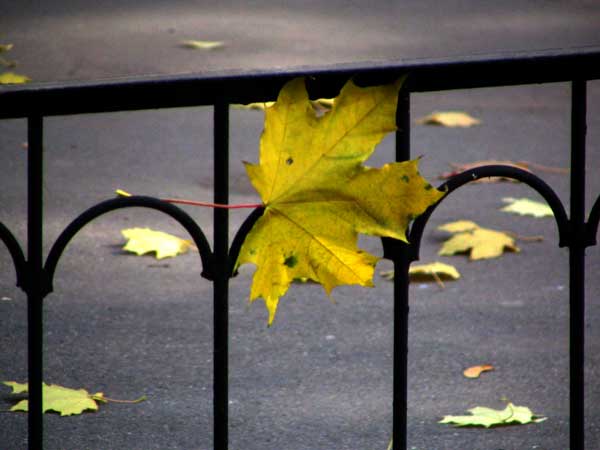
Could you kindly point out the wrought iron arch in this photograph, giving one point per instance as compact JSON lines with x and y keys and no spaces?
{"x":16,"y":253}
{"x":107,"y":206}
{"x":593,"y":221}
{"x":238,"y":240}
{"x":416,"y":231}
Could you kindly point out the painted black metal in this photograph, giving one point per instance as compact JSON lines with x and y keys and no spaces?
{"x":562,"y":222}
{"x":502,"y":69}
{"x":593,"y":222}
{"x":35,"y":102}
{"x":16,"y":253}
{"x":221,"y":279}
{"x":114,"y":204}
{"x":401,"y":301}
{"x":35,"y":321}
{"x":577,"y":266}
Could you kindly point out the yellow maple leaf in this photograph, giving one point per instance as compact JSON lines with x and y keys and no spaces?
{"x":451,"y":119}
{"x":481,"y":243}
{"x":318,"y":196}
{"x":144,"y":240}
{"x":65,"y":401}
{"x":57,"y":398}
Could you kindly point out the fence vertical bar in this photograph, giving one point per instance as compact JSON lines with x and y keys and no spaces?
{"x":221,"y":278}
{"x":577,"y":265}
{"x":401,"y":308}
{"x":34,"y":280}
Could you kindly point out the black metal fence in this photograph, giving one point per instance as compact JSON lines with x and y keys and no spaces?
{"x":35,"y":276}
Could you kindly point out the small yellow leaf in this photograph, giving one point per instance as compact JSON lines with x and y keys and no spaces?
{"x":202,"y":45}
{"x":144,"y":240}
{"x":435,"y":271}
{"x":475,"y":371}
{"x":319,"y":105}
{"x":527,"y":207}
{"x":122,"y":193}
{"x":481,"y":243}
{"x":6,"y":62}
{"x":13,"y":78}
{"x":261,"y":106}
{"x":458,"y":227}
{"x":450,"y":119}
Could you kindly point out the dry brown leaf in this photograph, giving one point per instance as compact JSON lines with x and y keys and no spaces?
{"x":525,"y":165}
{"x":458,"y":168}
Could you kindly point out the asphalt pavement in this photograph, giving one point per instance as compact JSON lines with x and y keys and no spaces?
{"x":321,"y":377}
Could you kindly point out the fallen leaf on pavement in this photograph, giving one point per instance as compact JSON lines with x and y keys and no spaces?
{"x":436,"y":271}
{"x":63,"y":400}
{"x":487,"y":417}
{"x":475,"y":371}
{"x":451,"y":119}
{"x":527,"y":207}
{"x":459,"y":168}
{"x":481,"y":243}
{"x":524,"y":165}
{"x":6,"y":62}
{"x":260,"y":106}
{"x":320,"y":105}
{"x":144,"y":240}
{"x":202,"y":45}
{"x":58,"y":399}
{"x":13,"y":78}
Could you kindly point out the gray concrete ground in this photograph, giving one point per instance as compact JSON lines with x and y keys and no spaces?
{"x":320,"y":378}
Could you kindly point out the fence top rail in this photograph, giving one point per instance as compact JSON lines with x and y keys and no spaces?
{"x":182,"y":90}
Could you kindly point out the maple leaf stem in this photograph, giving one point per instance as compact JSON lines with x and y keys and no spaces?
{"x":535,"y":238}
{"x":182,"y":201}
{"x":112,"y":400}
{"x":437,"y":279}
{"x":212,"y":205}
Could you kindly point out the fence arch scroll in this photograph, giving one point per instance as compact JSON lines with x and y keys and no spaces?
{"x":416,"y":231}
{"x":593,"y":222}
{"x":16,"y":253}
{"x":239,"y":238}
{"x":197,"y":235}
